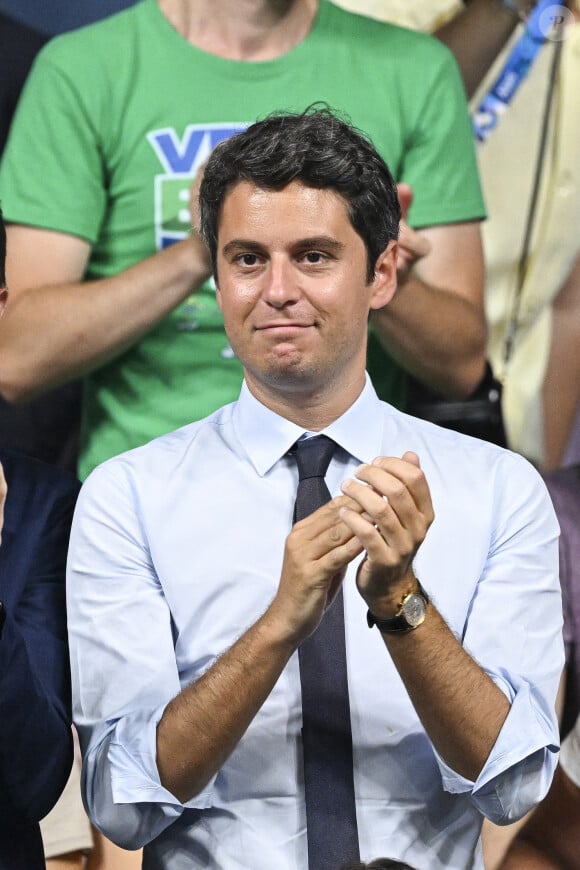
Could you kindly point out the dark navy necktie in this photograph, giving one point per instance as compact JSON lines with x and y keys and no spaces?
{"x":326,"y":733}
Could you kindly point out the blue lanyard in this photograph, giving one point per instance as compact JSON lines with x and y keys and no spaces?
{"x":523,"y":54}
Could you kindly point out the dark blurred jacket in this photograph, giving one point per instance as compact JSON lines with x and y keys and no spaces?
{"x":19,"y":45}
{"x":46,"y":428}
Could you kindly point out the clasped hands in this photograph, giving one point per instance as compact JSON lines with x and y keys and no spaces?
{"x":385,"y":512}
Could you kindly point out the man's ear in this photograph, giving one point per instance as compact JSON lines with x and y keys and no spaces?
{"x":218,"y":296}
{"x":384,"y":283}
{"x":3,"y":298}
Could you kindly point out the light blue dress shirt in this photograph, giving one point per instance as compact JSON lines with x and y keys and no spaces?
{"x":177,"y":549}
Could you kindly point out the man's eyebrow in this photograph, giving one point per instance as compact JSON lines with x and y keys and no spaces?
{"x":312,"y":242}
{"x":236,"y":245}
{"x":327,"y":242}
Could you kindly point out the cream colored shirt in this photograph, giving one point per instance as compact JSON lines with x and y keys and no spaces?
{"x":507,"y":163}
{"x":418,"y":14}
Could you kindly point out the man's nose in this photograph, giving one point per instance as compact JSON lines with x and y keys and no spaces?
{"x":280,"y":287}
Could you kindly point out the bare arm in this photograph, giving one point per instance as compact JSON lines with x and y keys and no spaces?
{"x":461,"y":708}
{"x":476,"y":36}
{"x":202,"y":725}
{"x":449,"y":690}
{"x":496,"y":839}
{"x":58,"y":327}
{"x":435,"y":324}
{"x":551,"y":838}
{"x":561,"y":389}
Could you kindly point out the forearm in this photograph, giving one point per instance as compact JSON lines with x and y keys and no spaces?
{"x":460,"y":707}
{"x":204,"y":723}
{"x":476,"y":36}
{"x":551,"y":837}
{"x":525,"y":856}
{"x":561,"y":388}
{"x":436,"y":335}
{"x":58,"y":332}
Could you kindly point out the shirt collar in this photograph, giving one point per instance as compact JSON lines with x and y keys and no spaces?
{"x":267,"y":437}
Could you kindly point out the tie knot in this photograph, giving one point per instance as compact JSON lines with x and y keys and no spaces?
{"x":313,"y":456}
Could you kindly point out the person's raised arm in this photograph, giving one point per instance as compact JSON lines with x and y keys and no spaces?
{"x":449,"y":690}
{"x":200,"y":728}
{"x":561,"y":388}
{"x":434,"y":327}
{"x":58,"y":195}
{"x":435,"y":324}
{"x":58,"y":327}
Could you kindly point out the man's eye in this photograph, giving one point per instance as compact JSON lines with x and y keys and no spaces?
{"x":248,"y":259}
{"x":314,"y":257}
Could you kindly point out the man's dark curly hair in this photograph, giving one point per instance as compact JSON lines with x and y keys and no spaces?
{"x":318,"y":149}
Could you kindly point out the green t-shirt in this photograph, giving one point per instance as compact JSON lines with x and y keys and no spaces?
{"x":116,"y":118}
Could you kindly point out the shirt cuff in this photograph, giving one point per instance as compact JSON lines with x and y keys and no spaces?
{"x":519,"y":769}
{"x":134,"y":773}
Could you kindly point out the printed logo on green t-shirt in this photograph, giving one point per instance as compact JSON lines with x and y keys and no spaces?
{"x":180,"y":160}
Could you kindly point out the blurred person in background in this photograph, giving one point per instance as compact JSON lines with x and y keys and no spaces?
{"x":36,"y":506}
{"x":141,"y":323}
{"x":48,"y":427}
{"x":542,"y":377}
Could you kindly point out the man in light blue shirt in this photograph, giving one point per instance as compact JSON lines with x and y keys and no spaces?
{"x":190,"y":591}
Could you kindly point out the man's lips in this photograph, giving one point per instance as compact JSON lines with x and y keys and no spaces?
{"x":282,"y":326}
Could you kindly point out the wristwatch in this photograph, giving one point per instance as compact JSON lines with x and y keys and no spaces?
{"x":410,"y":615}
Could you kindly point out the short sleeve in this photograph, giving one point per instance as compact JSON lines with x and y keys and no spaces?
{"x":439,"y":161}
{"x":52,"y":175}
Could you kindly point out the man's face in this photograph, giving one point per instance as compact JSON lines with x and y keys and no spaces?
{"x":3,"y":298}
{"x":293,"y":287}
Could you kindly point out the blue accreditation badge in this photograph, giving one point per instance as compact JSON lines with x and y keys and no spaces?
{"x":537,"y":30}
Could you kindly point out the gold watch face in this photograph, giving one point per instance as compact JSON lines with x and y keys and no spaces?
{"x":413,"y":609}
